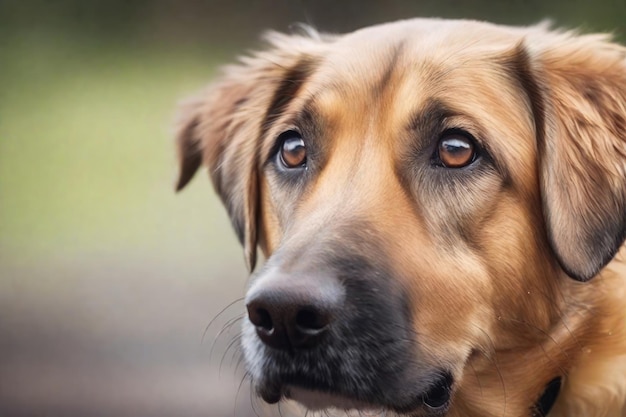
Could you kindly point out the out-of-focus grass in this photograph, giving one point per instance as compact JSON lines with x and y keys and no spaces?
{"x":108,"y":278}
{"x":86,"y":157}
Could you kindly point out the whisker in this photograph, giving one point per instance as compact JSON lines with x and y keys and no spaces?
{"x":236,"y":353}
{"x":243,"y":378}
{"x":236,"y":339}
{"x":206,"y":329}
{"x":226,"y":327}
{"x":253,"y":399}
{"x":240,"y":361}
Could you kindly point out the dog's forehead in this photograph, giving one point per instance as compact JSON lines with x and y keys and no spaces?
{"x":368,"y":52}
{"x":413,"y":60}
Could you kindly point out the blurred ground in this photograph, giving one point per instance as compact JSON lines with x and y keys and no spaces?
{"x":108,"y":279}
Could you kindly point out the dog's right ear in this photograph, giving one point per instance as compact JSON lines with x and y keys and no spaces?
{"x":223,"y":126}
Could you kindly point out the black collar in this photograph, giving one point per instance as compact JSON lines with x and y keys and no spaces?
{"x":548,"y":398}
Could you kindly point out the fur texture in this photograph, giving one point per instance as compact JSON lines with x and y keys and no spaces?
{"x":509,"y":266}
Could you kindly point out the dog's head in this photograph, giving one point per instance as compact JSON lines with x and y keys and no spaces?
{"x":427,"y":193}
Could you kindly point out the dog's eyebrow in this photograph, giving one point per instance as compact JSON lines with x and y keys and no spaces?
{"x":308,"y":117}
{"x":431,"y":115}
{"x":288,"y":89}
{"x":308,"y":106}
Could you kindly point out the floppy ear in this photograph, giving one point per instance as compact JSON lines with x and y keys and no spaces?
{"x":581,"y":130}
{"x":223,"y":126}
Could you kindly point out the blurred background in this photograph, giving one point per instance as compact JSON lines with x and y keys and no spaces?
{"x":117,"y":296}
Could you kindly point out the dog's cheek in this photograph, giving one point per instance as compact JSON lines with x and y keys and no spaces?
{"x":522,"y":271}
{"x":449,"y":294}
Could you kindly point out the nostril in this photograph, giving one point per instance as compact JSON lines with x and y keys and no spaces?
{"x":265,"y":320}
{"x":260,"y":317}
{"x":309,"y":320}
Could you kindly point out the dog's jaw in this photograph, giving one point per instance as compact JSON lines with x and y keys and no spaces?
{"x":255,"y":357}
{"x":316,"y":401}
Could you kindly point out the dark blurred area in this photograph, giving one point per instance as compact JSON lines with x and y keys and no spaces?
{"x":238,"y":22}
{"x":117,"y":296}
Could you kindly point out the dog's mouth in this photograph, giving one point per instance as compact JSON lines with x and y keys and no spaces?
{"x":334,"y":341}
{"x":434,"y":401}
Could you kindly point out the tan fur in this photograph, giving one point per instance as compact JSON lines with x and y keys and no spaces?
{"x":487,"y":260}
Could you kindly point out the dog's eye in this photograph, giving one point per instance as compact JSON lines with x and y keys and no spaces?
{"x":456,"y":150}
{"x":292,"y":152}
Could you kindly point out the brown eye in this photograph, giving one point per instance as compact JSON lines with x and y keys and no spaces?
{"x":456,"y":150}
{"x":292,"y":150}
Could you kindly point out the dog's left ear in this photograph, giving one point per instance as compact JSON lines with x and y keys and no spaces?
{"x":223,"y":126}
{"x":580,"y":111}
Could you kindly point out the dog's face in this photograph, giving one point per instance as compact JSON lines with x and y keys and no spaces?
{"x":418,"y":189}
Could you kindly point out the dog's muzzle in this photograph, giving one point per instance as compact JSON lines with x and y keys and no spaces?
{"x":337,"y":335}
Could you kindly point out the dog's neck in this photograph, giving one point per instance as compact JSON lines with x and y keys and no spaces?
{"x":595,"y":384}
{"x":586,"y":348}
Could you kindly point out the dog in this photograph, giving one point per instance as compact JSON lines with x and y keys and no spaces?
{"x":442,"y":209}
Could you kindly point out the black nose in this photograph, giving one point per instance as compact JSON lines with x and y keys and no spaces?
{"x":286,"y":319}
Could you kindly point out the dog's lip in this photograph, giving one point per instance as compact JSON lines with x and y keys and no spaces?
{"x":434,"y":401}
{"x":313,"y":399}
{"x":318,"y":400}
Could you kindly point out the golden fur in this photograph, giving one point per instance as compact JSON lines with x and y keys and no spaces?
{"x":512,"y":268}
